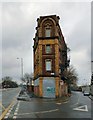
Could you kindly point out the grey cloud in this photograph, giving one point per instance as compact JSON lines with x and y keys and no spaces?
{"x":18,"y":30}
{"x":81,"y":36}
{"x":92,"y":31}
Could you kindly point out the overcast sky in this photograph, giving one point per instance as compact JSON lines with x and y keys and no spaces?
{"x":18,"y":31}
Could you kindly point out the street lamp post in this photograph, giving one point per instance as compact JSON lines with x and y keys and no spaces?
{"x":21,"y":67}
{"x":92,"y":75}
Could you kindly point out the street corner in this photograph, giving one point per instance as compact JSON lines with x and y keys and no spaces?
{"x":63,"y":99}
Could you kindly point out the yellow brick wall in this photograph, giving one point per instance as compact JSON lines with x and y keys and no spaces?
{"x":57,"y":86}
{"x":40,"y":59}
{"x":57,"y":59}
{"x":49,"y":41}
{"x":40,"y":87}
{"x":38,"y":55}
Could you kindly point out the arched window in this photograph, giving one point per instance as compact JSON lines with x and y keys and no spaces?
{"x":48,"y":28}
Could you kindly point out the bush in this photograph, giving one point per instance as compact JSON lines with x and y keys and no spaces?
{"x":8,"y":83}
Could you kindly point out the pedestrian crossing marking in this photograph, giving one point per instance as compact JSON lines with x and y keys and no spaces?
{"x":82,"y":108}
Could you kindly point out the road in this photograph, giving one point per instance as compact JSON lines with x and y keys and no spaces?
{"x":0,"y":102}
{"x":7,"y":96}
{"x":77,"y":106}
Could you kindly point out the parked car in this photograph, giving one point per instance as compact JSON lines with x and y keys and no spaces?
{"x":86,"y":93}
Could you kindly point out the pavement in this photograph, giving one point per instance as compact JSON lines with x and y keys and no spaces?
{"x":28,"y":96}
{"x":91,"y":97}
{"x":61,"y":99}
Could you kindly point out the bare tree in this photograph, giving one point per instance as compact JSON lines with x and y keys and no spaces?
{"x":8,"y":83}
{"x":71,"y":75}
{"x":27,"y":78}
{"x":7,"y":78}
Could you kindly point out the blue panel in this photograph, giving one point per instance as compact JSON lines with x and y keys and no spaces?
{"x":49,"y":87}
{"x":36,"y":82}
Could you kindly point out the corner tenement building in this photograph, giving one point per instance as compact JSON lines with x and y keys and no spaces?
{"x":50,"y":58}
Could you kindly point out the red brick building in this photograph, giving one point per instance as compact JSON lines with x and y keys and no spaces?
{"x":50,"y":58}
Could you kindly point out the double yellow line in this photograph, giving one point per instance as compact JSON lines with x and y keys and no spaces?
{"x":2,"y":105}
{"x":6,"y":109}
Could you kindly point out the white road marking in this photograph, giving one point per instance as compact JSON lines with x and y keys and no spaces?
{"x":11,"y":108}
{"x":14,"y":117}
{"x":15,"y":113}
{"x":5,"y":117}
{"x":58,"y":103}
{"x":39,"y":112}
{"x":66,"y":102}
{"x":49,"y":111}
{"x":76,"y":102}
{"x":8,"y":113}
{"x":16,"y":110}
{"x":81,"y":108}
{"x":53,"y":110}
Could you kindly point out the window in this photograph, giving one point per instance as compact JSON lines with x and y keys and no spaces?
{"x":47,"y":32}
{"x":48,"y":65}
{"x":48,"y":49}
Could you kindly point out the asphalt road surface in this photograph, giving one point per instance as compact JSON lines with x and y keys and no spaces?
{"x":77,"y":106}
{"x":8,"y":96}
{"x":0,"y":102}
